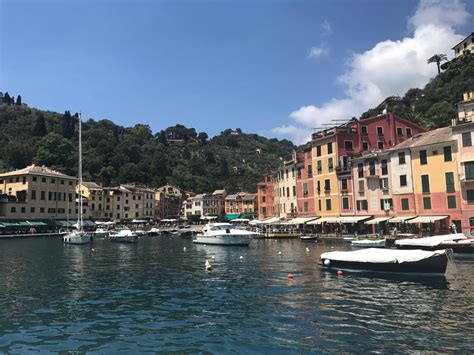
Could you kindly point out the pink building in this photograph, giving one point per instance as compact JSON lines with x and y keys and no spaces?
{"x":265,"y":197}
{"x":304,"y":184}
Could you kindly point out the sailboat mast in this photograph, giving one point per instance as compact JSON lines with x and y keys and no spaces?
{"x":80,"y":175}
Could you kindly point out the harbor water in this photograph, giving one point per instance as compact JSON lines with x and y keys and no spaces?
{"x":156,"y":295}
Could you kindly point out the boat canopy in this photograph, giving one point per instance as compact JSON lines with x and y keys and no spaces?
{"x":377,"y":220}
{"x":430,"y":241}
{"x":302,"y":220}
{"x":426,"y":219}
{"x":208,"y":217}
{"x":241,"y":220}
{"x":400,"y":219}
{"x":375,"y":255}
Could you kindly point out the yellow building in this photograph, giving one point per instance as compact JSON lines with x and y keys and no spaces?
{"x":285,"y":202}
{"x":37,"y":192}
{"x":324,"y":153}
{"x":465,"y":46}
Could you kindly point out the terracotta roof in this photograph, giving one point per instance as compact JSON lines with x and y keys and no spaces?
{"x":91,"y":185}
{"x":37,"y":170}
{"x":436,"y":136}
{"x":219,"y":192}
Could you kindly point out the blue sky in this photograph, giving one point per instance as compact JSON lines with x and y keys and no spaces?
{"x":277,"y":67}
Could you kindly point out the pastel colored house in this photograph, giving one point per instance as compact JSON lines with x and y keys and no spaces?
{"x":304,"y":183}
{"x":265,"y":197}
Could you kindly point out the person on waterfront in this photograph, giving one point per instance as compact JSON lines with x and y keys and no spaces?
{"x":453,"y":228}
{"x":394,"y":232}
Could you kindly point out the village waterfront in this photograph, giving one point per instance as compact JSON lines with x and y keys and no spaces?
{"x":156,"y":295}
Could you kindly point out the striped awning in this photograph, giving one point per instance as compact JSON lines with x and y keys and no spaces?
{"x":426,"y":219}
{"x":302,"y":220}
{"x":377,"y":220}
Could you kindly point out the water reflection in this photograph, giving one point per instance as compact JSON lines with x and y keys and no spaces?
{"x":157,"y":295}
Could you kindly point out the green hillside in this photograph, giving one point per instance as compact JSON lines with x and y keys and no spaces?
{"x":435,"y":104}
{"x":114,"y":154}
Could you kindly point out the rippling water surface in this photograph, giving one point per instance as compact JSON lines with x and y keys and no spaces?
{"x":157,"y":296}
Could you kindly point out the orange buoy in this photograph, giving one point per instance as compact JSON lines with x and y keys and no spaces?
{"x":290,"y":276}
{"x":339,"y":273}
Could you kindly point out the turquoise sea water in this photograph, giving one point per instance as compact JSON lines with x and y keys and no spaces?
{"x":156,"y":296}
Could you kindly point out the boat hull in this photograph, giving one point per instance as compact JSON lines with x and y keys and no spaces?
{"x":432,"y":265}
{"x":457,"y":248}
{"x":78,"y":239}
{"x":308,"y":238}
{"x":124,"y":239}
{"x":238,"y":240}
{"x":368,"y":244}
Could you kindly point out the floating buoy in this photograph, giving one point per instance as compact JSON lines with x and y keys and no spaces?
{"x":241,"y":257}
{"x":92,"y":250}
{"x":213,"y":257}
{"x":279,"y":253}
{"x":339,"y":273}
{"x":208,"y":265}
{"x":184,"y":248}
{"x":307,"y":249}
{"x":290,"y":276}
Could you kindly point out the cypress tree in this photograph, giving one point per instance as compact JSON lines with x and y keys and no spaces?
{"x":40,"y":126}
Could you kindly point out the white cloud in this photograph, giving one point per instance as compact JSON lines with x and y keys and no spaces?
{"x":316,"y":52}
{"x":389,"y":67}
{"x":299,"y":135}
{"x":326,"y":28}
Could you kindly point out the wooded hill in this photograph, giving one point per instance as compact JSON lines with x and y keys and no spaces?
{"x":435,"y":104}
{"x":113,"y":154}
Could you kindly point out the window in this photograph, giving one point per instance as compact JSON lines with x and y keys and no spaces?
{"x":408,"y":132}
{"x":403,"y":180}
{"x":318,"y":188}
{"x":383,"y":183}
{"x":344,"y":184}
{"x":362,"y":205}
{"x":305,"y":206}
{"x":330,"y":165}
{"x":405,"y":204}
{"x":329,"y":146}
{"x":305,"y":189}
{"x":401,"y":158}
{"x":451,"y":201}
{"x":348,"y":145}
{"x":423,"y":157}
{"x":469,"y":170}
{"x":287,"y":192}
{"x":345,"y":203}
{"x":466,"y":139}
{"x":365,"y":145}
{"x":361,"y":187}
{"x":470,"y":196}
{"x":399,"y":131}
{"x":360,"y":170}
{"x":327,"y":185}
{"x":425,"y":183}
{"x":380,"y":144}
{"x":372,"y":168}
{"x":386,"y":204}
{"x":310,"y":171}
{"x":319,"y":167}
{"x":328,"y":204}
{"x":320,"y":208}
{"x":33,"y":194}
{"x":364,"y":129}
{"x":53,"y":181}
{"x":32,"y":210}
{"x":449,"y":182}
{"x":24,"y":180}
{"x":427,"y":203}
{"x":294,"y":190}
{"x":35,"y":178}
{"x":41,"y":209}
{"x":380,"y":131}
{"x":318,"y":151}
{"x":43,"y":179}
{"x":61,"y":182}
{"x":447,"y":153}
{"x":384,"y":167}
{"x":13,"y":209}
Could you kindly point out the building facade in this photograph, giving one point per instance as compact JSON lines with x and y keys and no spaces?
{"x":37,"y":192}
{"x":265,"y":197}
{"x":168,"y":201}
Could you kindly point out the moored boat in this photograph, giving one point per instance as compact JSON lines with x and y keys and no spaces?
{"x":457,"y":242}
{"x":368,"y":243}
{"x":305,"y":238}
{"x":101,"y":232}
{"x":124,"y":236}
{"x":387,"y":260}
{"x":223,"y":234}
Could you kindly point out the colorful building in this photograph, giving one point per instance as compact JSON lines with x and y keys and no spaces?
{"x":265,"y":197}
{"x":284,"y":189}
{"x":305,"y":183}
{"x":241,"y":204}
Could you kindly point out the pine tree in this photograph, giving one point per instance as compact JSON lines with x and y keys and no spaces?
{"x":6,"y":98}
{"x":18,"y":100}
{"x":40,"y":126}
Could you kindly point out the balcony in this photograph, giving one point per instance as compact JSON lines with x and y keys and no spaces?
{"x":343,"y":170}
{"x":466,"y":178}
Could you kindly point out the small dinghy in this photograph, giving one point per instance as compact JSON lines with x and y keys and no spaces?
{"x":305,"y":238}
{"x":368,"y":243}
{"x":387,"y":260}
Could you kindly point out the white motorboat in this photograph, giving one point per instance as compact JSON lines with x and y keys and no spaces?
{"x":101,"y":232}
{"x":457,"y":241}
{"x":123,"y":236}
{"x":224,"y":234}
{"x":368,"y":243}
{"x":79,"y":236}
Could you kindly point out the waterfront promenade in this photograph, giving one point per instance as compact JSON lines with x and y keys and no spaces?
{"x":157,"y":296}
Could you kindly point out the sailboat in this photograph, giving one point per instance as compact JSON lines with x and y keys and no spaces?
{"x":79,"y":236}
